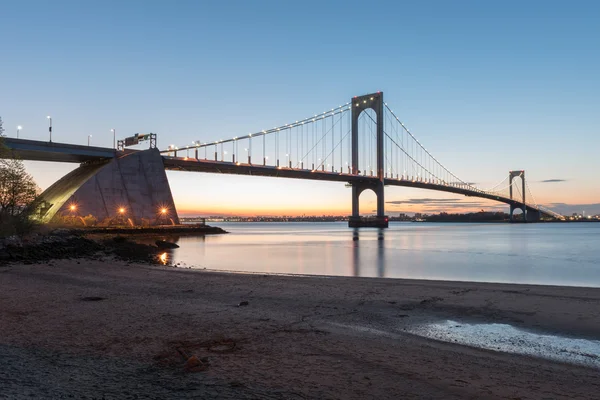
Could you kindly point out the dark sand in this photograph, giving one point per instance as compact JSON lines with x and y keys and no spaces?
{"x":104,"y":330}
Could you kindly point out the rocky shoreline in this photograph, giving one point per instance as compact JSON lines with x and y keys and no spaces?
{"x":178,"y":229}
{"x":67,"y":245}
{"x":92,"y":243}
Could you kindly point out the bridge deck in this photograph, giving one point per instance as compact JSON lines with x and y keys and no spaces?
{"x":223,"y":167}
{"x":61,"y":152}
{"x":36,"y":150}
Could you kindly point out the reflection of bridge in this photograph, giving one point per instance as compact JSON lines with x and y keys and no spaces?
{"x":362,"y":143}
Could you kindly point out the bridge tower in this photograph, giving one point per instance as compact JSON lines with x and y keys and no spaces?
{"x":372,"y":101}
{"x":513,"y":207}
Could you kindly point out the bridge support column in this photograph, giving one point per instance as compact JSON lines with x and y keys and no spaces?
{"x":512,"y":211}
{"x":380,"y":220}
{"x":533,"y":216}
{"x":522,"y":205}
{"x":359,"y":104}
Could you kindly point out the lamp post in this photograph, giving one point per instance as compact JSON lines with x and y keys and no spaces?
{"x":18,"y":130}
{"x":50,"y":127}
{"x":114,"y":138}
{"x":89,"y":138}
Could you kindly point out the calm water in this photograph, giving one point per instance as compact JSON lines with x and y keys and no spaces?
{"x":555,"y":254}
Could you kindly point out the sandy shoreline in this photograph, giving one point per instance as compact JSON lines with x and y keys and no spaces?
{"x":94,"y":329}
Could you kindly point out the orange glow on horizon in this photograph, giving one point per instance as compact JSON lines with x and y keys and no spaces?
{"x":366,"y":207}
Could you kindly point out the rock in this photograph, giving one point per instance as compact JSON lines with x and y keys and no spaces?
{"x":13,"y":241}
{"x":243,"y":303}
{"x":193,"y":364}
{"x":163,"y":244}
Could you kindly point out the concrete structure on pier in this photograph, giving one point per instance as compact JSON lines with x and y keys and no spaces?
{"x":130,"y":189}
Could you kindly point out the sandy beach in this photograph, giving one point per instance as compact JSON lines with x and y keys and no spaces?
{"x":98,"y":329}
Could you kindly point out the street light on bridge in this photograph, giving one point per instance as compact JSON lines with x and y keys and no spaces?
{"x":50,"y":127}
{"x":89,"y":138}
{"x":18,"y":130}
{"x":114,"y":138}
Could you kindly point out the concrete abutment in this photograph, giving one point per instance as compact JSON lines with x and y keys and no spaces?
{"x":128,"y":190}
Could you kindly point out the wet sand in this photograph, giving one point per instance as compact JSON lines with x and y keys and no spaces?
{"x":94,"y":329}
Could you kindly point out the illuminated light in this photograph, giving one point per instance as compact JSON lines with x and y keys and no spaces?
{"x":19,"y":127}
{"x":371,"y":98}
{"x":185,"y":159}
{"x":48,"y":117}
{"x":356,"y":104}
{"x":73,"y":207}
{"x":237,"y":163}
{"x":163,"y":258}
{"x":364,"y":101}
{"x":121,"y":210}
{"x":163,"y":210}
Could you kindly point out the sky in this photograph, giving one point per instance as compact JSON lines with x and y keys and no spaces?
{"x":487,"y":87}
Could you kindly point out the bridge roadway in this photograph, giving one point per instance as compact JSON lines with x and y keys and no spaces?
{"x":224,"y":167}
{"x":35,"y":150}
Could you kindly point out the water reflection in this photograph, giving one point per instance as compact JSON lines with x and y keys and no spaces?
{"x":380,"y":258}
{"x":554,"y":254}
{"x":355,"y":252}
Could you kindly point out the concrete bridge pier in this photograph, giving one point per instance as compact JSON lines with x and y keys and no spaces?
{"x":530,"y":216}
{"x":378,"y":221}
{"x":374,"y":102}
{"x":533,"y":216}
{"x":512,"y":211}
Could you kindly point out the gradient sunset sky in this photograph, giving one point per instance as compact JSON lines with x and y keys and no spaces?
{"x":486,"y":86}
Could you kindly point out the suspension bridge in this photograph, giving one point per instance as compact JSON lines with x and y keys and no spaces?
{"x":362,"y":143}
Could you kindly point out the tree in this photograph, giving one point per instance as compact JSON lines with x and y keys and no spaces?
{"x":17,"y":188}
{"x":1,"y":128}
